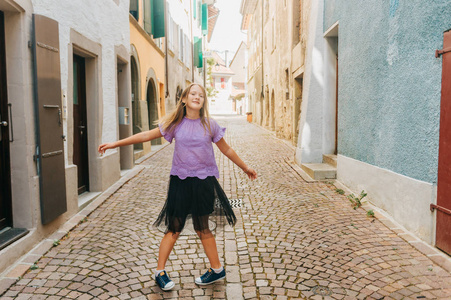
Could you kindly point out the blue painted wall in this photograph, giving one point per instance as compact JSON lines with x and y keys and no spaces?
{"x":390,"y":81}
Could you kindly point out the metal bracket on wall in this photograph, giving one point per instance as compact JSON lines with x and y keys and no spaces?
{"x":441,"y":209}
{"x":11,"y":123}
{"x":443,"y":51}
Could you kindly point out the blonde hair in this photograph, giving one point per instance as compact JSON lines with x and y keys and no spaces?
{"x":170,"y":121}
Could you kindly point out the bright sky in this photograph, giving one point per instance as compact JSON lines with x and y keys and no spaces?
{"x":227,"y":34}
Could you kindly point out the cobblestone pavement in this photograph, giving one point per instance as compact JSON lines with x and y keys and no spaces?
{"x":293,"y":240}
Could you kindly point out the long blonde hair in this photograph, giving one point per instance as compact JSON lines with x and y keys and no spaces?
{"x":170,"y":121}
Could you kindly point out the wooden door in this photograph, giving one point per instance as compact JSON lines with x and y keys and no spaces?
{"x":5,"y":176}
{"x":443,"y":232}
{"x":80,"y":125}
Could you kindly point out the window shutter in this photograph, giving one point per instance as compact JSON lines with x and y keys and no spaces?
{"x":158,"y":18}
{"x":204,"y":19}
{"x":147,"y":16}
{"x":198,"y":57}
{"x":195,"y":9}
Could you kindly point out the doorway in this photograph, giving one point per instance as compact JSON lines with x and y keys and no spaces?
{"x":298,"y":81}
{"x":152,"y":109}
{"x":331,"y":82}
{"x":80,"y":124}
{"x":136,"y":116}
{"x":5,"y":173}
{"x":272,"y":114}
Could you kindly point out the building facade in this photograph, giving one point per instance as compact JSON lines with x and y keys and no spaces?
{"x":277,"y":32}
{"x":238,"y":65}
{"x":221,"y":81}
{"x":63,"y":94}
{"x":185,"y":44}
{"x":374,"y":93}
{"x":147,"y":63}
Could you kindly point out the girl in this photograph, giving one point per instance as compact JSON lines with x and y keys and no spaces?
{"x":193,"y":187}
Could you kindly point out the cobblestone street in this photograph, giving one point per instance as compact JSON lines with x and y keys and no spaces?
{"x":293,"y":240}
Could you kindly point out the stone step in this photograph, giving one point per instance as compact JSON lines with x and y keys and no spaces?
{"x":330,"y":159}
{"x":320,"y":171}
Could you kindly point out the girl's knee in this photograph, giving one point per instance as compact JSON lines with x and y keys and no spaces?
{"x":173,"y":235}
{"x":206,"y":233}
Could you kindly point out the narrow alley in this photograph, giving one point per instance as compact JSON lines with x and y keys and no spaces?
{"x":293,"y":240}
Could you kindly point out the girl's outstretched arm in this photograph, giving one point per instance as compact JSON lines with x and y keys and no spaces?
{"x":141,"y":137}
{"x":231,"y":154}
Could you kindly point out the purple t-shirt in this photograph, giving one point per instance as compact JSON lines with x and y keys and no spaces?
{"x":193,"y":154}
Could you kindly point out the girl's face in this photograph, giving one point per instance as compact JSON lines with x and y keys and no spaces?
{"x":195,"y":98}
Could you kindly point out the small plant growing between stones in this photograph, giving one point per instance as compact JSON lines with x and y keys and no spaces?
{"x":34,"y":266}
{"x":357,"y":201}
{"x":56,"y":243}
{"x":370,"y":213}
{"x":340,"y":191}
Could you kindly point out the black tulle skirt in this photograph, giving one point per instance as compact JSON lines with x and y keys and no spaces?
{"x":194,"y":198}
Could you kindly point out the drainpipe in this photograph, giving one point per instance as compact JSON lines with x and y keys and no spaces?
{"x":263,"y":73}
{"x":192,"y":39}
{"x":166,"y":50}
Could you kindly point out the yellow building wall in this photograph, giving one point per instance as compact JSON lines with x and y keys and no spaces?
{"x":151,"y":63}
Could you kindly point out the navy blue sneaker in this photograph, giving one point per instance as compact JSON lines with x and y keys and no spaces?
{"x":164,"y":282}
{"x":210,"y":276}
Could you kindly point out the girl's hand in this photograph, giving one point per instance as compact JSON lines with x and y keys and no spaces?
{"x":104,"y":147}
{"x":251,"y":173}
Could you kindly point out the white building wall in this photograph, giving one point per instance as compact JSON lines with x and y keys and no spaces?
{"x":104,"y":24}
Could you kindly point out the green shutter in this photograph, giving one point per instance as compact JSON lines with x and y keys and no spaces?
{"x":198,"y":56}
{"x":204,"y":19}
{"x":158,"y":18}
{"x":196,"y":51}
{"x":199,"y":8}
{"x":201,"y":59}
{"x":147,"y":16}
{"x":195,"y":8}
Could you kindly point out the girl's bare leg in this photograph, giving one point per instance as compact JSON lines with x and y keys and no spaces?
{"x":209,"y":243}
{"x":166,"y":245}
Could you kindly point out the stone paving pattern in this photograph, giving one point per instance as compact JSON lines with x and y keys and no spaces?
{"x":293,"y":240}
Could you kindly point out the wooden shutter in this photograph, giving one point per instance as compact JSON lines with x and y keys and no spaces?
{"x":47,"y":96}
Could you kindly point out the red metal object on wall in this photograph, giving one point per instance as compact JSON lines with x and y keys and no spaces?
{"x":443,"y":207}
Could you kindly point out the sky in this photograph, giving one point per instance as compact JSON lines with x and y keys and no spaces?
{"x":227,"y":34}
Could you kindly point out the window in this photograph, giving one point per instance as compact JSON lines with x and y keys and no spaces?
{"x":147,"y":18}
{"x":181,"y":46}
{"x":273,"y":33}
{"x":169,"y":39}
{"x":134,"y":9}
{"x":287,"y":82}
{"x":223,"y":86}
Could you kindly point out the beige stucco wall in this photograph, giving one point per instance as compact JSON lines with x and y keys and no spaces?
{"x":281,"y":54}
{"x":151,"y":67}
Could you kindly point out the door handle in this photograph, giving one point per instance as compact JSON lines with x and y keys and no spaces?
{"x":82,"y":127}
{"x":4,"y":123}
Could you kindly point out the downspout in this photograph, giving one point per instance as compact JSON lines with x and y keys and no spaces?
{"x":192,"y":39}
{"x":263,"y":73}
{"x":166,"y":49}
